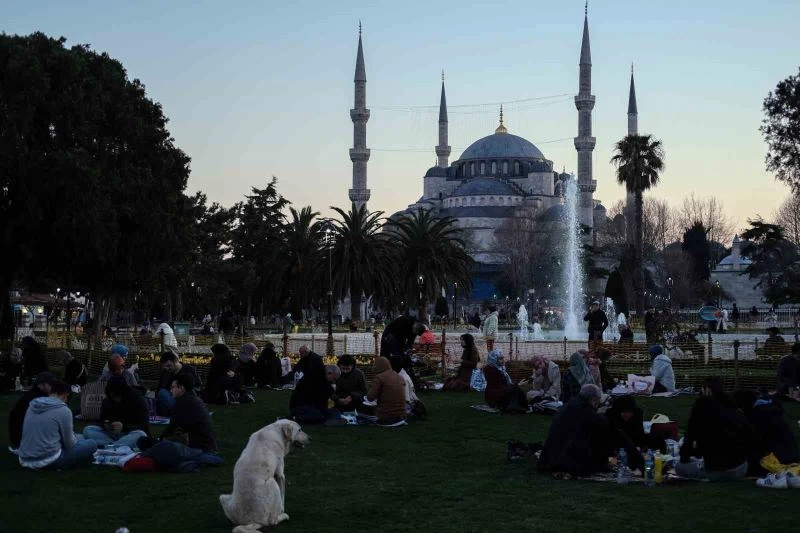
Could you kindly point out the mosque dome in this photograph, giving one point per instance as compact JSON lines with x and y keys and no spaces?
{"x":557,"y":213}
{"x":502,"y":145}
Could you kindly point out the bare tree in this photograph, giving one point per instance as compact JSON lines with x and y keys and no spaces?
{"x":711,"y":213}
{"x":788,"y":217}
{"x":658,"y":228}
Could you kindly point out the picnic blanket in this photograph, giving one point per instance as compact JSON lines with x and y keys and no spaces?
{"x":114,"y":456}
{"x":159,"y":420}
{"x":485,"y":408}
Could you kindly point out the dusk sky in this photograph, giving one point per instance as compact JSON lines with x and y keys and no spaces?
{"x":261,"y":88}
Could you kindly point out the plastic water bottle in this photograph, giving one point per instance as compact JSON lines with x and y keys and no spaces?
{"x":649,"y":469}
{"x":622,"y":467}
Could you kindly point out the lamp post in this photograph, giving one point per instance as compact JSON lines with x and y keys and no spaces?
{"x":455,"y":304}
{"x":421,"y":304}
{"x":719,"y":295}
{"x":669,"y":291}
{"x":508,"y":312}
{"x":329,"y":349}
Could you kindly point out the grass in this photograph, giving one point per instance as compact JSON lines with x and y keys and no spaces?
{"x":448,"y":474}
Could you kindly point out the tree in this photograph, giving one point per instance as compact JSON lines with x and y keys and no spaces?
{"x":639,"y":160}
{"x":615,"y":289}
{"x":775,"y":262}
{"x":432,"y":248}
{"x":711,"y":213}
{"x":362,"y":258}
{"x":788,"y":217}
{"x":781,"y":130}
{"x":89,"y":174}
{"x":302,"y":256}
{"x":695,"y":243}
{"x":658,"y":224}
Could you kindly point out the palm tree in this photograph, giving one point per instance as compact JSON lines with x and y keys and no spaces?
{"x":360,"y":256}
{"x":303,"y":261}
{"x":639,"y":160}
{"x":432,"y":255}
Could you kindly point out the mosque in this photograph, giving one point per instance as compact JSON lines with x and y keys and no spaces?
{"x":498,"y":177}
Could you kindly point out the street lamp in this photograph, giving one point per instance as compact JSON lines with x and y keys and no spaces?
{"x":455,"y":304}
{"x":669,"y":291}
{"x":421,"y":287}
{"x":719,"y":295}
{"x":329,"y":348}
{"x":508,"y":312}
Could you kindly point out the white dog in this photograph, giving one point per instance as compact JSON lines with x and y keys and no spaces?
{"x":259,"y":486}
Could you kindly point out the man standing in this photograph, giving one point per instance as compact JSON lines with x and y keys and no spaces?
{"x":598,"y":322}
{"x":48,"y":440}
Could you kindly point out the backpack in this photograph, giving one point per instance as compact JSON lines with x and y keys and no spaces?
{"x":92,"y":396}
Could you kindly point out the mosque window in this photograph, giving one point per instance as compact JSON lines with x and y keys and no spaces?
{"x":483,"y":168}
{"x":494,"y":167}
{"x":516,"y":168}
{"x":505,"y":167}
{"x":472,"y":201}
{"x":472,"y":169}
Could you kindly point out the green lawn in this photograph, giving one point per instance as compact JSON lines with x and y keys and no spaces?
{"x":448,"y":473}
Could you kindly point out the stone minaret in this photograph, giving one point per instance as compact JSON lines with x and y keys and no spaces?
{"x":359,"y":153}
{"x":633,"y":129}
{"x":584,"y":142}
{"x":443,"y":149}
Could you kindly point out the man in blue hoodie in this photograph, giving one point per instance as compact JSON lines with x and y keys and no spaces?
{"x":48,"y":440}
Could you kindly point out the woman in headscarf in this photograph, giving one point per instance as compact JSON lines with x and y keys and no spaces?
{"x":224,"y":385}
{"x":575,"y":377}
{"x":501,"y":393}
{"x":33,"y":359}
{"x":247,"y":365}
{"x":388,"y":389}
{"x":469,"y":362}
{"x":268,"y":368}
{"x":546,"y":379}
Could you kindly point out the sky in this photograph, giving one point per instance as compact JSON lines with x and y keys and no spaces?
{"x":255,"y":89}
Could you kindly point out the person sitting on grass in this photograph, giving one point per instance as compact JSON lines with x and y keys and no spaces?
{"x":771,"y":431}
{"x":190,"y":423}
{"x":413,"y":404}
{"x":48,"y":440}
{"x":33,"y":360}
{"x":246,"y":365}
{"x":309,"y":401}
{"x":789,"y":373}
{"x":171,"y":367}
{"x":351,"y":387}
{"x":626,"y":422}
{"x":545,"y":381}
{"x":388,"y":389}
{"x":16,"y":416}
{"x":775,"y":344}
{"x":625,"y":334}
{"x":120,"y":351}
{"x":661,"y":369}
{"x":124,"y":414}
{"x":223,"y":384}
{"x":576,"y":376}
{"x":501,"y":393}
{"x":718,"y":433}
{"x":469,"y":362}
{"x":268,"y":368}
{"x":74,"y":371}
{"x":579,"y":441}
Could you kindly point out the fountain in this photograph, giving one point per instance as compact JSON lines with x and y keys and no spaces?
{"x":612,"y":331}
{"x":574,"y":307}
{"x":528,"y":332}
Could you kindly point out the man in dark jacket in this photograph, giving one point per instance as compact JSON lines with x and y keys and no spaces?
{"x":718,"y":433}
{"x":124,"y":416}
{"x":399,"y":335}
{"x":16,"y":416}
{"x":771,"y":431}
{"x":268,"y":368}
{"x":171,"y":367}
{"x":789,"y":372}
{"x":351,"y":387}
{"x":74,"y":371}
{"x":309,"y":401}
{"x":190,"y":422}
{"x":598,"y":321}
{"x":579,"y":442}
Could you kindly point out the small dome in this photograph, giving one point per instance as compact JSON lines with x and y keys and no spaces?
{"x":501,"y":145}
{"x":728,"y":260}
{"x":554,"y":214}
{"x":484,"y":187}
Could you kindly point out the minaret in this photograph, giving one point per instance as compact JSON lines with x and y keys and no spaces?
{"x":633,"y":129}
{"x":584,"y":142}
{"x":359,"y":153}
{"x":443,"y":149}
